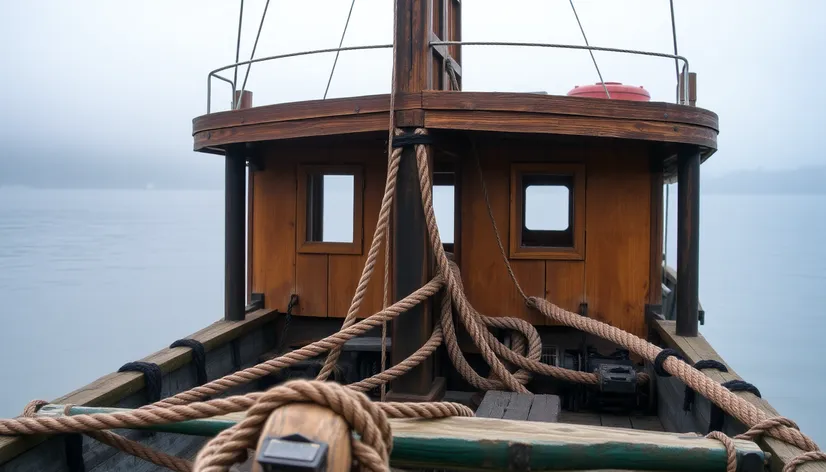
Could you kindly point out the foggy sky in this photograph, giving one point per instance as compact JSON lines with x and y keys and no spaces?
{"x":102,"y":92}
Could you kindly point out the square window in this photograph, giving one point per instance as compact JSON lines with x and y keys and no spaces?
{"x":330,"y":209}
{"x":547,"y":211}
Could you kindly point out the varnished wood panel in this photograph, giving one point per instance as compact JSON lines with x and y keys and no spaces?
{"x":273,"y":239}
{"x":564,"y":105}
{"x":522,"y":122}
{"x":345,"y":270}
{"x":565,"y":284}
{"x":311,"y":284}
{"x":305,"y":110}
{"x":617,"y":241}
{"x":483,"y":111}
{"x":326,"y":126}
{"x":486,"y":279}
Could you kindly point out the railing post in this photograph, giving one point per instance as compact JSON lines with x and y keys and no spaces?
{"x":688,"y":240}
{"x":235,"y":298}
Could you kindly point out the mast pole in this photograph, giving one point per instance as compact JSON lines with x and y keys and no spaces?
{"x":412,"y":257}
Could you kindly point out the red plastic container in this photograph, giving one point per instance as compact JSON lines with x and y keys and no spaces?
{"x":617,"y":90}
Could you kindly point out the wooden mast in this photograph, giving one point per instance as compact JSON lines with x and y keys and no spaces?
{"x":412,"y":256}
{"x":412,"y":259}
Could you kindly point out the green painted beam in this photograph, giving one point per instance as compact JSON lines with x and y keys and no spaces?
{"x":494,"y":444}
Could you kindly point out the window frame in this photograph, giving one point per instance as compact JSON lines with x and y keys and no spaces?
{"x":329,"y":247}
{"x":577,"y":203}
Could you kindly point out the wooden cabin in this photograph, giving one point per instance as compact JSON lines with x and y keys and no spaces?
{"x":575,"y":186}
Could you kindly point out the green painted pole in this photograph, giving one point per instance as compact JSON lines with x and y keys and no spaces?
{"x":489,"y":444}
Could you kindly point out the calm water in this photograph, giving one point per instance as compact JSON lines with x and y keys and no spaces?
{"x":91,"y":279}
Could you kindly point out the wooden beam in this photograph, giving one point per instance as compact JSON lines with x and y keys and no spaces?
{"x":412,"y":258}
{"x":315,"y":423}
{"x":688,"y":241}
{"x":697,"y":348}
{"x":501,"y":444}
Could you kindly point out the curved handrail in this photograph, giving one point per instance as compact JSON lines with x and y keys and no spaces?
{"x":433,"y":44}
{"x":573,"y":46}
{"x":214,"y":73}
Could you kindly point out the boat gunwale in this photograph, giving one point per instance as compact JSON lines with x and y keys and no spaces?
{"x":113,"y":387}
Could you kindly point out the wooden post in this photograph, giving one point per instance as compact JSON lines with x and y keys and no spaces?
{"x":235,"y":298}
{"x":412,"y":258}
{"x":688,"y":240}
{"x":315,"y":423}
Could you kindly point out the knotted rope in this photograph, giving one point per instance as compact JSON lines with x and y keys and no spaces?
{"x":119,"y":442}
{"x":370,"y":420}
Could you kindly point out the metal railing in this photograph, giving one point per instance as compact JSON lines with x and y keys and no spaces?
{"x":681,"y":98}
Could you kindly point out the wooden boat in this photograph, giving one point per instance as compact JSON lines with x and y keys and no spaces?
{"x":564,"y":191}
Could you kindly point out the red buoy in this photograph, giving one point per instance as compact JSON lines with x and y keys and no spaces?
{"x":617,"y":90}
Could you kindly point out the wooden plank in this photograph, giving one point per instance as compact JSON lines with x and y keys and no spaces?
{"x":615,"y":421}
{"x":494,"y":404}
{"x":113,"y":387}
{"x":697,"y":348}
{"x":311,"y":284}
{"x":489,"y":444}
{"x":617,"y":245}
{"x":545,"y":408}
{"x":581,"y":418}
{"x":522,"y":122}
{"x":565,"y":284}
{"x":486,"y":280}
{"x":327,"y":126}
{"x":274,"y":223}
{"x":648,"y":423}
{"x":304,"y":110}
{"x":563,"y":105}
{"x":519,"y":407}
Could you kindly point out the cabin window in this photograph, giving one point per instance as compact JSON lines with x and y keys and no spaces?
{"x":547,"y":211}
{"x":444,"y":205}
{"x":330,"y":209}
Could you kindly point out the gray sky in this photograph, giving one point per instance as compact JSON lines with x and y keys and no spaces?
{"x":97,"y":87}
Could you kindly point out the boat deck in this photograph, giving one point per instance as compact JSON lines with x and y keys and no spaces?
{"x":646,"y":423}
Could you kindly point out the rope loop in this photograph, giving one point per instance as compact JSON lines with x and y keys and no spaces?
{"x":371,"y":449}
{"x":661,"y":357}
{"x":731,"y":450}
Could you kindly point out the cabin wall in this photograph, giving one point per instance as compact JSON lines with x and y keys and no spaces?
{"x":613,"y":279}
{"x":325,"y":283}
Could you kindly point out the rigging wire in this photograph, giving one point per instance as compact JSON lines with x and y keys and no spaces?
{"x":237,"y":52}
{"x":252,"y":54}
{"x":604,"y":87}
{"x":667,"y":185}
{"x":674,"y":37}
{"x":340,"y":43}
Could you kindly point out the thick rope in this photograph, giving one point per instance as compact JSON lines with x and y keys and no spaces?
{"x":119,"y":442}
{"x":370,"y":420}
